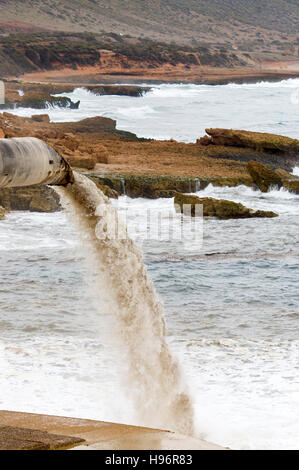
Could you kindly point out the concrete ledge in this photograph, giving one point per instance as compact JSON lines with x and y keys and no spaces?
{"x":26,"y":431}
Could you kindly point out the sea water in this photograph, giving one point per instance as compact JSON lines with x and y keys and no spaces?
{"x":183,"y":112}
{"x":231,"y":305}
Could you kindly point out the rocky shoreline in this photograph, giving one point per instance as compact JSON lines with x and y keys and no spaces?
{"x":120,"y":162}
{"x":19,"y":94}
{"x":195,"y":74}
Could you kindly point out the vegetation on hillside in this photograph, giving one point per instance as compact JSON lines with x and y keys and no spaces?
{"x":179,"y":20}
{"x":20,"y":53}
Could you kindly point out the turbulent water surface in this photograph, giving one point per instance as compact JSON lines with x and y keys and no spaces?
{"x":264,"y":107}
{"x":231,"y":305}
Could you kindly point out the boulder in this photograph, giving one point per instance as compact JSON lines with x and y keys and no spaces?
{"x":2,"y":134}
{"x":221,"y":208}
{"x":263,"y":177}
{"x":32,"y":198}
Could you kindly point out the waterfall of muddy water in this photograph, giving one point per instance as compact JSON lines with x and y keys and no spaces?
{"x":155,"y":381}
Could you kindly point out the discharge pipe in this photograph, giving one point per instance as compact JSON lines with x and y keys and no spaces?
{"x":28,"y":161}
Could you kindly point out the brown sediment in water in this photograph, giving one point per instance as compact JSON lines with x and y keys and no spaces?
{"x":154,"y":377}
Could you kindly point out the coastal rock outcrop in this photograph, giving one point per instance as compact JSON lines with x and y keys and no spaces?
{"x":14,"y":87}
{"x":80,"y":143}
{"x":33,"y":198}
{"x":155,"y":187}
{"x":221,"y":208}
{"x":275,"y":150}
{"x":37,"y":100}
{"x":290,"y":181}
{"x":263,"y":177}
{"x":292,"y":185}
{"x":37,"y":199}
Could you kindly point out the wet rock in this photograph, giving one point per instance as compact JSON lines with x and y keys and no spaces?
{"x":292,"y":185}
{"x":120,"y":90}
{"x":221,"y":208}
{"x":263,"y":177}
{"x":155,"y":187}
{"x":40,"y":100}
{"x":108,"y":191}
{"x":290,"y":181}
{"x":150,"y":187}
{"x":34,"y":198}
{"x":284,"y":175}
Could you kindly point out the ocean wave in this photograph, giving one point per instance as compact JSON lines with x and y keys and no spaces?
{"x":244,"y":192}
{"x":178,"y":91}
{"x":287,"y":83}
{"x":139,"y":112}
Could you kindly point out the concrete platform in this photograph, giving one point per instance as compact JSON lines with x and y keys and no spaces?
{"x":26,"y":431}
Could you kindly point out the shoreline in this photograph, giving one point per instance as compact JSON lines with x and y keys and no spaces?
{"x":197,"y":75}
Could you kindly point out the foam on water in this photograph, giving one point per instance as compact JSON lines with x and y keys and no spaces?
{"x":265,"y":106}
{"x":238,"y":343}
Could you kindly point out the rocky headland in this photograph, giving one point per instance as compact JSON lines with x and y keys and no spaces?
{"x":20,"y":94}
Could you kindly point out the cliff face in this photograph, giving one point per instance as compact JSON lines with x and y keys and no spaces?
{"x":109,"y":53}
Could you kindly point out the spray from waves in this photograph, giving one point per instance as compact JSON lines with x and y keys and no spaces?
{"x":246,"y":191}
{"x":155,"y":379}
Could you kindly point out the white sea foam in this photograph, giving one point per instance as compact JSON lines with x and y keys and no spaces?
{"x":265,"y":106}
